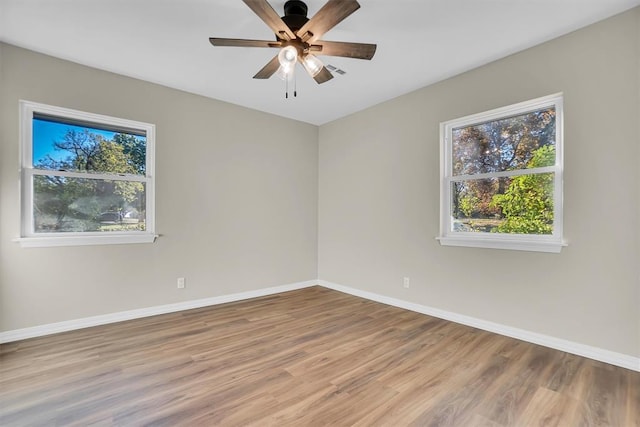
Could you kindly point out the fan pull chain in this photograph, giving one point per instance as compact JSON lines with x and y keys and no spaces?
{"x":295,"y":85}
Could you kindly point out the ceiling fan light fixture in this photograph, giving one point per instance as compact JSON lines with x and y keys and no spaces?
{"x":283,"y":74}
{"x":288,"y":57}
{"x":312,"y":64}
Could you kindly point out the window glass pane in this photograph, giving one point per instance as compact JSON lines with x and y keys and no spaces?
{"x":519,"y":204}
{"x":504,"y":144}
{"x":64,"y":204}
{"x":61,"y":145}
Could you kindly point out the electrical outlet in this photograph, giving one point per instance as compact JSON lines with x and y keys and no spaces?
{"x":406,"y":282}
{"x":181,"y":283}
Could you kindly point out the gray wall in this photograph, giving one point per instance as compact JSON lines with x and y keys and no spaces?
{"x":379,"y":195}
{"x":236,"y":200}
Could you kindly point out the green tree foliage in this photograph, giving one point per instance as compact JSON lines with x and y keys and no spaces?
{"x":84,"y":198}
{"x":112,"y":157}
{"x":467,"y":204}
{"x":134,"y":150}
{"x":57,"y":196}
{"x":527,"y":205}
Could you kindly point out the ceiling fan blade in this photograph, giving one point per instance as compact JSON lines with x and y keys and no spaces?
{"x":332,"y":13}
{"x":264,"y":10}
{"x":345,"y":49}
{"x":323,"y":76}
{"x":269,"y":69}
{"x":216,"y":41}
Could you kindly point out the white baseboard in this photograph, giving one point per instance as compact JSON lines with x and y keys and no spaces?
{"x":590,"y":352}
{"x":70,"y":325}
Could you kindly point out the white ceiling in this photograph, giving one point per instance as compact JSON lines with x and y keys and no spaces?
{"x":419,"y":43}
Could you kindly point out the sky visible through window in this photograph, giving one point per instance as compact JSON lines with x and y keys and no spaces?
{"x":46,"y":133}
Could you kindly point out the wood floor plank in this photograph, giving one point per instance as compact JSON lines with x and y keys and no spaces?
{"x":305,"y":358}
{"x":549,"y":408}
{"x":632,"y":416}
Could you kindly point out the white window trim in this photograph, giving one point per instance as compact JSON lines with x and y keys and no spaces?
{"x":524,"y":242}
{"x":28,"y":238}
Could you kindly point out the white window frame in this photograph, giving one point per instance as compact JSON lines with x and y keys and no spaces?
{"x":525,"y":242}
{"x":28,"y":236}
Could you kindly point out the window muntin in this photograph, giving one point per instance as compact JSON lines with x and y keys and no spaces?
{"x":502,"y":177}
{"x":85,"y":176}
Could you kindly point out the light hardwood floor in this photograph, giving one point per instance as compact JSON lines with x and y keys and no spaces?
{"x":305,"y":358}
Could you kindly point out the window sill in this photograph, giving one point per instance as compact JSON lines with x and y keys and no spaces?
{"x":51,"y":241}
{"x":504,"y":242}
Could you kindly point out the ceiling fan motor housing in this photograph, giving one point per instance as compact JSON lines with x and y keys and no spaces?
{"x":295,"y":14}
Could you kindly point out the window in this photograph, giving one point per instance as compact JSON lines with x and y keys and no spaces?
{"x":85,"y":178}
{"x":501,"y":178}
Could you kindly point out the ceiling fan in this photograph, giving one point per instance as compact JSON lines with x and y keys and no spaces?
{"x":298,"y":37}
